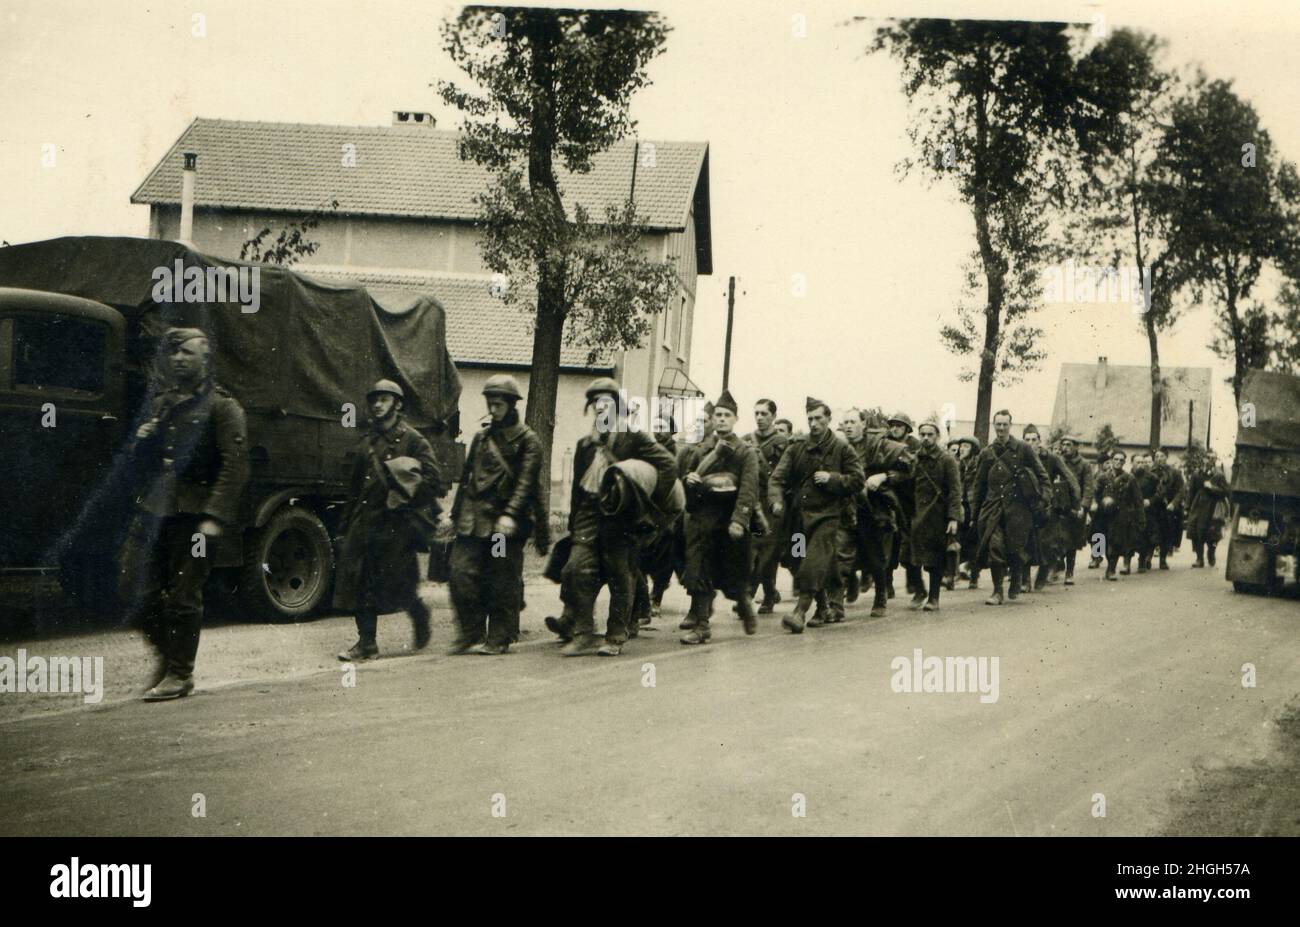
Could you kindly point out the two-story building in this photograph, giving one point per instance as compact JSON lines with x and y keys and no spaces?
{"x":405,"y":220}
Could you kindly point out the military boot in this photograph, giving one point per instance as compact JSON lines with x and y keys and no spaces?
{"x":362,"y":650}
{"x":747,"y":615}
{"x":794,"y":622}
{"x":1128,"y":566}
{"x":1164,"y":564}
{"x":171,"y":686}
{"x":1209,"y":553}
{"x":700,"y":634}
{"x":995,"y":597}
{"x":420,"y":619}
{"x":1040,"y":582}
{"x":1094,"y":563}
{"x":852,"y":587}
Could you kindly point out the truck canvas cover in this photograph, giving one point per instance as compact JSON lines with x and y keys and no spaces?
{"x":309,"y":347}
{"x":1268,"y":451}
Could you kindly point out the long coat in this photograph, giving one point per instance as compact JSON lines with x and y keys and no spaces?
{"x":817,"y":510}
{"x":936,"y":490}
{"x":1073,"y":524}
{"x":881,"y":508}
{"x":377,"y":566}
{"x":1053,"y":534}
{"x":1120,"y":516}
{"x":713,"y":559}
{"x":1202,"y":500}
{"x":1003,"y":510}
{"x":622,"y":445}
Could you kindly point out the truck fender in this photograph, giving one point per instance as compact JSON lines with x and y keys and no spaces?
{"x":272,"y":503}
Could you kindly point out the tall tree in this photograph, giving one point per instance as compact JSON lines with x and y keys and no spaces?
{"x":1234,"y":207}
{"x":992,"y":104}
{"x":548,"y":86}
{"x":1122,"y":217}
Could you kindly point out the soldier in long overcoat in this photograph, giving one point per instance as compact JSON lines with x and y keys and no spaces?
{"x":1152,"y":489}
{"x":1206,"y":490}
{"x":721,"y":481}
{"x":1118,"y":514}
{"x":770,"y":443}
{"x":822,"y":475}
{"x":970,"y":536}
{"x":886,"y":464}
{"x":1062,"y":497}
{"x":936,"y":491}
{"x":900,"y":430}
{"x":1172,"y":489}
{"x":1008,"y":485}
{"x":1074,"y":524}
{"x":394,"y":488}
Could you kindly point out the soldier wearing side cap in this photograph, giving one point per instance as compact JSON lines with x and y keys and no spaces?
{"x":721,"y":480}
{"x":1074,"y":524}
{"x":395,"y":485}
{"x":821,"y":474}
{"x":498,"y":506}
{"x":770,"y":444}
{"x":1060,"y":497}
{"x":1118,"y":513}
{"x":1008,"y":486}
{"x":193,"y":449}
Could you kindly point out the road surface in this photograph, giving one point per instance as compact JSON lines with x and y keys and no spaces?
{"x":1118,"y":706}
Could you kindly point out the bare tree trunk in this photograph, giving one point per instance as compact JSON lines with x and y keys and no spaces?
{"x":1157,"y":383}
{"x":543,"y":385}
{"x":1238,"y":334}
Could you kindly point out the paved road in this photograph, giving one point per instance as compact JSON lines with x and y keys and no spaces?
{"x":1131,"y":691}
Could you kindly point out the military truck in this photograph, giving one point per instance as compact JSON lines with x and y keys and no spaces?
{"x":81,"y":325}
{"x":1264,"y":539}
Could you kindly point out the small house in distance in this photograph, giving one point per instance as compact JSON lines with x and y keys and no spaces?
{"x":1089,"y":396}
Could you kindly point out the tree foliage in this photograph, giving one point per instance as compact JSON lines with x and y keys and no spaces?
{"x":544,"y":85}
{"x":992,"y":110}
{"x":291,"y":242}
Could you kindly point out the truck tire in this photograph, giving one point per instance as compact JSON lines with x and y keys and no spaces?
{"x":288,"y":566}
{"x":1249,"y":588}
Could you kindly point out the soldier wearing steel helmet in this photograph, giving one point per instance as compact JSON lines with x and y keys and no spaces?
{"x":498,"y":506}
{"x":605,"y":545}
{"x":395,"y":485}
{"x":901,"y":430}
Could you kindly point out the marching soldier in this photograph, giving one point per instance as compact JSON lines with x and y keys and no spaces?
{"x":822,"y":474}
{"x":498,"y":507}
{"x":936,"y":490}
{"x":193,"y":447}
{"x":1008,"y":485}
{"x":770,"y":444}
{"x":605,"y":546}
{"x":869,"y":545}
{"x":970,"y":462}
{"x":1074,"y":524}
{"x":659,"y":554}
{"x":900,"y":430}
{"x":721,"y":479}
{"x":1208,"y":489}
{"x":1152,"y":490}
{"x":395,"y":486}
{"x":1061,"y":495}
{"x":1169,"y":504}
{"x":1118,"y":513}
{"x":952,"y":560}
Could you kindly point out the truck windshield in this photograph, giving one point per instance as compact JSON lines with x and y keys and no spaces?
{"x":54,"y":352}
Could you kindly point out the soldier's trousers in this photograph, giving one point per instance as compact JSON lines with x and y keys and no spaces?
{"x":486,"y":590}
{"x":164,"y":581}
{"x":767,"y":557}
{"x":871,"y":549}
{"x":611,"y":554}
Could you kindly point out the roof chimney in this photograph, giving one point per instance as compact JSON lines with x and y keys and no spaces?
{"x":1100,"y":381}
{"x":403,"y":117}
{"x":187,"y":197}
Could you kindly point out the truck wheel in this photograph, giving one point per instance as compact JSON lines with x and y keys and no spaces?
{"x":288,"y":566}
{"x":1249,"y":588}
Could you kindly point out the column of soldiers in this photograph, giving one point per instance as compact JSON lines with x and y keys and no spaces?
{"x":839,"y":510}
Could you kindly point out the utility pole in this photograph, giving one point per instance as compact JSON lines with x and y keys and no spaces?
{"x":731,"y":312}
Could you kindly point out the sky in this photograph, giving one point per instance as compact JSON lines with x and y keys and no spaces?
{"x":804,"y":129}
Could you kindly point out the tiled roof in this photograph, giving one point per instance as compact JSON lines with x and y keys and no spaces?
{"x":413,"y":171}
{"x":1125,"y":402}
{"x":480,"y":328}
